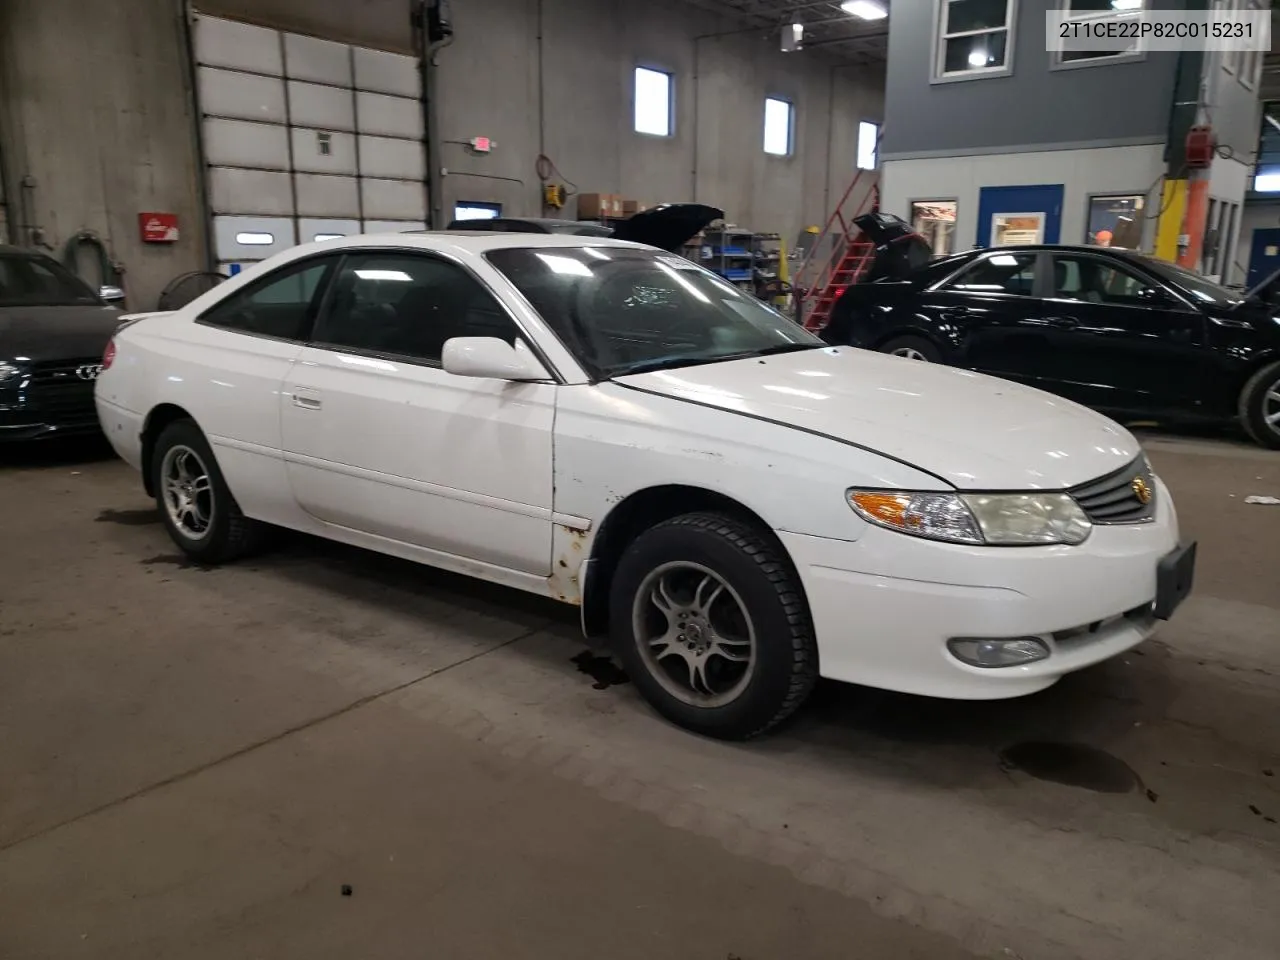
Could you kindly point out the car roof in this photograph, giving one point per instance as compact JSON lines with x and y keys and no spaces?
{"x":465,"y":241}
{"x":1057,"y":247}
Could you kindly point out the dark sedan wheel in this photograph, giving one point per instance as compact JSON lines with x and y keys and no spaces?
{"x":1260,"y":406}
{"x":913,"y":348}
{"x":709,"y":619}
{"x":198,"y":510}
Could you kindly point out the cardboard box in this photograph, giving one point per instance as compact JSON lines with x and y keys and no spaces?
{"x":631,"y":207}
{"x":593,"y":206}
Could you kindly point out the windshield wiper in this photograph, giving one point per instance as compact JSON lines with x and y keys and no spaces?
{"x":666,"y":363}
{"x":672,"y":363}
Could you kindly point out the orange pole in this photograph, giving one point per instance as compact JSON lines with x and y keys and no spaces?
{"x":1193,"y":222}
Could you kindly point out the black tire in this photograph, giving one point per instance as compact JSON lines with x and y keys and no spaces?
{"x":921,"y":348}
{"x":229,"y":534}
{"x":1257,"y":402}
{"x":764,"y":585}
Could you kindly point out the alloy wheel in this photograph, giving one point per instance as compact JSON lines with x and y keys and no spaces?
{"x":1271,"y":407}
{"x":694,"y":634}
{"x":187,"y":491}
{"x":910,"y":353}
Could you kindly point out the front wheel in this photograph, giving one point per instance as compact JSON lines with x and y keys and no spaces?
{"x":913,"y":348}
{"x":198,"y":510}
{"x":709,"y":619}
{"x":1260,"y":406}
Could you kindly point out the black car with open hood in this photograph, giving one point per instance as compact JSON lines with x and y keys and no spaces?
{"x":667,"y":226}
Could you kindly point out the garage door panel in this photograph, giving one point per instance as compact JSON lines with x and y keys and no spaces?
{"x":325,"y":108}
{"x":311,"y":230}
{"x":309,"y":58}
{"x":239,"y":143}
{"x":389,"y":116}
{"x":393,"y":199}
{"x":391,"y":158}
{"x":226,"y":93}
{"x":232,"y":191}
{"x":393,"y":226}
{"x":384,"y":72}
{"x":252,"y":238}
{"x":323,"y":151}
{"x":324,"y":196}
{"x":226,"y":43}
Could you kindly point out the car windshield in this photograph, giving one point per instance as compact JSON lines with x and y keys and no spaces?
{"x":1200,"y":288}
{"x":628,"y":311}
{"x":32,"y":280}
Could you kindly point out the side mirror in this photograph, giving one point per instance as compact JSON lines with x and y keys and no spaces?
{"x":111,"y":294}
{"x":491,"y":358}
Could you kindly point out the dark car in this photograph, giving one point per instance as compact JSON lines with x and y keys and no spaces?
{"x":668,"y":226}
{"x":1112,"y":329}
{"x":53,"y":331}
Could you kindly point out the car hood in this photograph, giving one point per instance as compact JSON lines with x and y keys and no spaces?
{"x":668,"y":226}
{"x":56,"y":333}
{"x":973,"y":431}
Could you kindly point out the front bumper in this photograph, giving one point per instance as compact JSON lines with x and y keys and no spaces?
{"x":885,"y":606}
{"x":54,"y":403}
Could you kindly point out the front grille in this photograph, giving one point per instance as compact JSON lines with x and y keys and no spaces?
{"x":1116,"y":498}
{"x":58,"y":395}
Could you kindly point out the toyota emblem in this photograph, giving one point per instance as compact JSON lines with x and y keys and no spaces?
{"x":89,"y":371}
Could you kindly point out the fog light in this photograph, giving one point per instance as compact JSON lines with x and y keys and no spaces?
{"x":998,"y":653}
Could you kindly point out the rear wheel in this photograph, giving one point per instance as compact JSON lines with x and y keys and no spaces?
{"x":913,"y":348}
{"x":198,"y":510}
{"x":1260,"y":406}
{"x":708,"y":617}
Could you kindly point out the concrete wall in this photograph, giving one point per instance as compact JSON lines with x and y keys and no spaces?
{"x":587,"y":51}
{"x":1114,"y":170}
{"x":1034,"y":106}
{"x":95,"y":110}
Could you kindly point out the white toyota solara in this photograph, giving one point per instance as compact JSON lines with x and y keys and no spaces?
{"x":738,"y":506}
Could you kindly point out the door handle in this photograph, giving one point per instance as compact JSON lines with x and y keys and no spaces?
{"x":306,"y":402}
{"x":1062,"y":323}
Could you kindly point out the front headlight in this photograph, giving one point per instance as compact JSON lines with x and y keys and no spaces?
{"x":9,"y":372}
{"x":999,"y":519}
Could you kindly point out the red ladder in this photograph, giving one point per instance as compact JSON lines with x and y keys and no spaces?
{"x":840,"y":255}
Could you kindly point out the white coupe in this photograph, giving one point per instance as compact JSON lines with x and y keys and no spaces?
{"x":737,"y":506}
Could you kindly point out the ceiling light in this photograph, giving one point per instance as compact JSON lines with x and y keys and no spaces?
{"x":866,"y":9}
{"x":1126,"y":4}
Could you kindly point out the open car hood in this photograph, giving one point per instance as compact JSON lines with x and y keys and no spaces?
{"x":899,"y":249}
{"x":668,"y":226}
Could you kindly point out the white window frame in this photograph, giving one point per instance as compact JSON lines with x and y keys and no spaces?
{"x":670,"y":78}
{"x":940,"y":38}
{"x":791,"y":126}
{"x":1250,"y":72}
{"x":1102,"y":59}
{"x":871,"y":130}
{"x":1230,"y":58}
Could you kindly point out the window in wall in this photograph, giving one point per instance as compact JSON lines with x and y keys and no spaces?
{"x":408,"y":305}
{"x":1017,"y":229}
{"x":974,"y":37}
{"x":779,"y":126}
{"x":283,"y":304}
{"x":1230,"y":58}
{"x":1013,"y":273}
{"x":935,"y":220}
{"x":654,"y":102}
{"x":1116,"y":221}
{"x":1117,"y":11}
{"x":868,"y":145}
{"x":476,"y":210}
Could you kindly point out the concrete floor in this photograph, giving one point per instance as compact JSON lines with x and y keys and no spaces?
{"x":194,"y":762}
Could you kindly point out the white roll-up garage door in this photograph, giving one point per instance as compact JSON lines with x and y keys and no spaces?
{"x":305,"y":139}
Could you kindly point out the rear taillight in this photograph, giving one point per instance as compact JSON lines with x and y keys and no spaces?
{"x":108,"y":355}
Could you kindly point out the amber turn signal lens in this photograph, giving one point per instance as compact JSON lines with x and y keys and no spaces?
{"x":888,"y":508}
